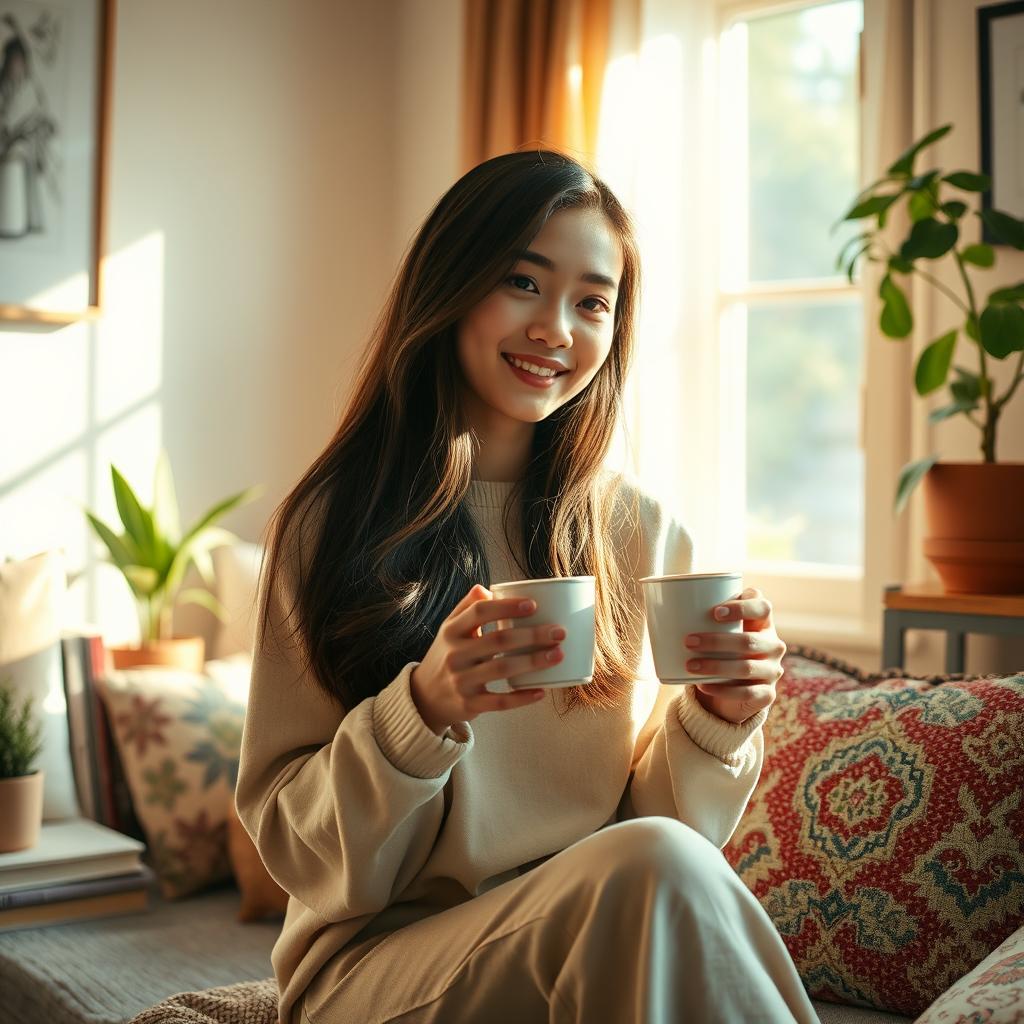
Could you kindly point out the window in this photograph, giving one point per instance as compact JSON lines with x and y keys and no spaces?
{"x":791,"y":327}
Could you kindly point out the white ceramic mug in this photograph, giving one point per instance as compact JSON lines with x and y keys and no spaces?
{"x":566,"y":601}
{"x":679,"y":605}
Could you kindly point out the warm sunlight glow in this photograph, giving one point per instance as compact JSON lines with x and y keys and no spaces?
{"x":128,"y":371}
{"x":71,"y":293}
{"x":641,"y":95}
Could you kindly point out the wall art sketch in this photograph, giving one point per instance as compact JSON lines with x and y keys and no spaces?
{"x":54,"y":88}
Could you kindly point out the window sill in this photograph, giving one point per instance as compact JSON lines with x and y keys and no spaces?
{"x":827,"y":631}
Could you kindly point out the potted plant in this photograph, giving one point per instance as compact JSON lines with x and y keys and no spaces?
{"x":21,"y":787}
{"x":154,"y":553}
{"x":974,"y":511}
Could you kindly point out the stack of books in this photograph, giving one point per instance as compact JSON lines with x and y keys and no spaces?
{"x":103,"y":794}
{"x":78,"y":869}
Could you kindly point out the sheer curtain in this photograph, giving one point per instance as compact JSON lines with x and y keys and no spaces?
{"x":656,"y":149}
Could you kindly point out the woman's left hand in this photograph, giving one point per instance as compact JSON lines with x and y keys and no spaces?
{"x":752,"y":659}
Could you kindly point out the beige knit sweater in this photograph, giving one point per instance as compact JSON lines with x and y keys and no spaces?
{"x":370,"y":821}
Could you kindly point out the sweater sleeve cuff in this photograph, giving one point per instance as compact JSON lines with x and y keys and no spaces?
{"x":404,"y":738}
{"x":715,"y":736}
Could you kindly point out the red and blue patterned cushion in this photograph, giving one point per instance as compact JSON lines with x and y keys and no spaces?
{"x":885,"y":837}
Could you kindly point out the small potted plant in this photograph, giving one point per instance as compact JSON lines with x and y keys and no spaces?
{"x":153,"y":554}
{"x":21,"y":786}
{"x":974,"y":511}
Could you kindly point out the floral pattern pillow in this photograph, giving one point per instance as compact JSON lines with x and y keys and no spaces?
{"x":885,"y":837}
{"x":993,"y":993}
{"x":179,"y":735}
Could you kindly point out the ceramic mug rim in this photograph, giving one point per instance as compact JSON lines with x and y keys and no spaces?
{"x":691,"y":576}
{"x":551,"y":579}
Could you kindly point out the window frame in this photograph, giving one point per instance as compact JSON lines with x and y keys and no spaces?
{"x":822,"y":604}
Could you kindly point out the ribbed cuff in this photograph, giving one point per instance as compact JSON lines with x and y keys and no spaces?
{"x":404,"y":738}
{"x":725,"y":740}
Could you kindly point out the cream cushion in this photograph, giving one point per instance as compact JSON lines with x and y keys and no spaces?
{"x":32,"y":593}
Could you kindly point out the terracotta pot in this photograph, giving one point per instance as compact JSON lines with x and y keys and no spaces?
{"x":975,"y":517}
{"x":21,"y":811}
{"x":184,"y":652}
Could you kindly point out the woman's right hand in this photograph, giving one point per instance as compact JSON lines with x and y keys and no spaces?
{"x":448,"y":686}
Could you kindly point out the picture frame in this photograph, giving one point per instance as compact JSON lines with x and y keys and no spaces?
{"x":55,"y":87}
{"x":1001,"y":95}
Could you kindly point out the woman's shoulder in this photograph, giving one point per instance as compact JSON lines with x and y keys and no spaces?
{"x":635,"y":502}
{"x":644,"y":527}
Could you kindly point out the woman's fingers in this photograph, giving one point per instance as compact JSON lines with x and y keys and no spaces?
{"x":509,"y":641}
{"x":473,"y":680}
{"x":481,"y":611}
{"x":740,"y":644}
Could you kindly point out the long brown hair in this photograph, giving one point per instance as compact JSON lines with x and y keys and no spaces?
{"x":393,"y":547}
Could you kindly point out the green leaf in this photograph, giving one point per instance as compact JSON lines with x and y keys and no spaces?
{"x":143,"y":579}
{"x":980,"y":255}
{"x":1015,"y":293}
{"x":204,"y":598}
{"x":222,"y":508}
{"x":198,"y":544}
{"x":921,"y":181}
{"x":138,"y":523}
{"x":910,"y":475}
{"x":122,"y":550}
{"x":933,"y":366}
{"x":895,"y":321}
{"x":969,"y":182}
{"x":971,"y":329}
{"x":857,"y":239}
{"x":929,"y":239}
{"x":851,"y":266}
{"x":920,"y":206}
{"x":1007,"y":229}
{"x":905,"y":164}
{"x":968,"y":388}
{"x":870,"y":206}
{"x":1002,"y":329}
{"x":954,"y":209}
{"x":937,"y":415}
{"x":900,"y":265}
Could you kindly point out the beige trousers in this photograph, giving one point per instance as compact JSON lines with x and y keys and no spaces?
{"x":643,"y":922}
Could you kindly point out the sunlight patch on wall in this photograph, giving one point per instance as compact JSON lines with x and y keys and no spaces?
{"x":129,"y":356}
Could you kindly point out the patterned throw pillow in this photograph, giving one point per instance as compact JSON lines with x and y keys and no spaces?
{"x":885,"y":837}
{"x":179,"y":735}
{"x":993,"y":993}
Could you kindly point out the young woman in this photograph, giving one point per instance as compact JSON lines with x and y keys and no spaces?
{"x":453,"y":854}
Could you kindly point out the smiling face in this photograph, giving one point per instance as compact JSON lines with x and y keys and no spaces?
{"x":555,"y":311}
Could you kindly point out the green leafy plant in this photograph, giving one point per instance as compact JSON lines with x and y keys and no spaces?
{"x":154,"y":553}
{"x":20,"y":737}
{"x":993,"y":329}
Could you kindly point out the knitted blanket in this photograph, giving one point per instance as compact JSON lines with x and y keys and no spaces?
{"x":249,"y":1002}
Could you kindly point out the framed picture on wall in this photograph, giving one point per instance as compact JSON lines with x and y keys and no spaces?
{"x":55,"y":70}
{"x":1001,"y":90}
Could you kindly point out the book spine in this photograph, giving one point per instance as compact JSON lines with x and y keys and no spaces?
{"x":95,"y":668}
{"x":140,"y":879}
{"x":80,"y":735}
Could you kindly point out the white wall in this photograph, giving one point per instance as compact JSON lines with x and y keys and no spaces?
{"x":251,"y":238}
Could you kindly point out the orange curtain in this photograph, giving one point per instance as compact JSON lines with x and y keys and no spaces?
{"x":533,"y":76}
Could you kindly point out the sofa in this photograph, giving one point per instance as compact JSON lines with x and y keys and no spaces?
{"x":884,"y":839}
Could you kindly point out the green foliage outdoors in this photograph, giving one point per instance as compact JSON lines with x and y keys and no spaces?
{"x":20,"y":736}
{"x":992,"y":328}
{"x":154,"y":553}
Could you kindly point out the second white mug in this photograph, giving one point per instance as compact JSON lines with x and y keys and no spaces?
{"x":682,"y":604}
